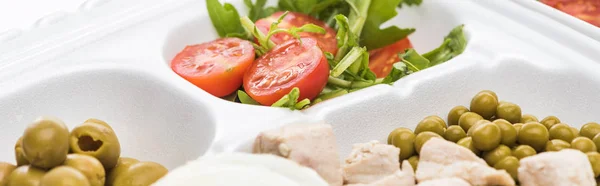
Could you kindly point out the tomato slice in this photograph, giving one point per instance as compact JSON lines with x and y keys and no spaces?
{"x":288,"y":65}
{"x":326,"y":41}
{"x":217,"y":67}
{"x":382,"y":59}
{"x":586,"y":10}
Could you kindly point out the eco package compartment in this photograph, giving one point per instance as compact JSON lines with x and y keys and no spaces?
{"x":116,"y":68}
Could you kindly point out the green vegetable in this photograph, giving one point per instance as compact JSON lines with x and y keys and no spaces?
{"x":380,"y":11}
{"x":225,"y":19}
{"x":258,"y":10}
{"x":265,"y":40}
{"x":410,"y":3}
{"x":245,"y":99}
{"x":311,"y":7}
{"x":291,"y":100}
{"x":453,"y":45}
{"x":399,"y":70}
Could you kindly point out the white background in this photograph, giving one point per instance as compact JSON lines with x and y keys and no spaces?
{"x":23,"y":13}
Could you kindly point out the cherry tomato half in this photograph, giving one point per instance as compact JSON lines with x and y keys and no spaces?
{"x":217,"y":67}
{"x":382,"y":59}
{"x":326,"y":41}
{"x":586,"y":10}
{"x":288,"y":65}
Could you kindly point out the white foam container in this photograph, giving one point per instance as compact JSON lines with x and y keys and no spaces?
{"x":110,"y":61}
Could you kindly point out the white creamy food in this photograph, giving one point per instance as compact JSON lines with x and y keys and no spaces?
{"x":242,"y":169}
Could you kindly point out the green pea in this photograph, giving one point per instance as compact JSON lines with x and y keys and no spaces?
{"x":526,"y":118}
{"x":550,"y":121}
{"x":509,"y":133}
{"x":510,"y":164}
{"x":562,"y":131}
{"x":468,"y":143}
{"x":424,"y":137}
{"x":487,"y":136}
{"x":589,"y":130}
{"x":509,"y":111}
{"x":594,"y":158}
{"x":454,"y":133}
{"x":404,"y":139}
{"x":583,"y":144}
{"x":534,"y":135}
{"x":494,"y":156}
{"x":523,"y":151}
{"x":484,"y":104}
{"x":557,"y":145}
{"x":455,"y":114}
{"x":431,"y":124}
{"x":414,"y":162}
{"x":468,"y":119}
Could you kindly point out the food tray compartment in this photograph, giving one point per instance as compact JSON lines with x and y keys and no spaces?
{"x":160,"y":117}
{"x":153,"y":121}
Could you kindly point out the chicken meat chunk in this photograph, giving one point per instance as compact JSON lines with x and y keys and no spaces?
{"x":443,"y":159}
{"x":404,"y":177}
{"x":445,"y":182}
{"x":565,"y":167}
{"x":370,"y":162}
{"x":312,"y":145}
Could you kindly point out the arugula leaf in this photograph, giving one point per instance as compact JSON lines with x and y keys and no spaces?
{"x":410,"y":3}
{"x":381,"y":11}
{"x":414,"y":61}
{"x":265,"y":40}
{"x":258,"y":10}
{"x":290,"y":100}
{"x":350,"y":27}
{"x":302,"y":6}
{"x":225,"y":19}
{"x":399,"y":70}
{"x":245,"y":99}
{"x":454,"y":44}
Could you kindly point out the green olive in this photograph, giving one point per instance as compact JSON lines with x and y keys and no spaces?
{"x":454,"y":133}
{"x":424,"y":137}
{"x":535,"y":135}
{"x":526,"y":118}
{"x":510,"y":164}
{"x":98,"y":141}
{"x":46,"y":142}
{"x":589,"y":130}
{"x":494,"y":156}
{"x":97,"y":121}
{"x":468,"y":143}
{"x":575,"y":131}
{"x":89,"y":166}
{"x":583,"y":144}
{"x":509,"y":111}
{"x":487,"y":136}
{"x":64,"y":176}
{"x":414,"y":162}
{"x":404,"y":139}
{"x":455,"y":114}
{"x":518,"y":126}
{"x":470,"y":131}
{"x":550,"y":121}
{"x":122,"y":165}
{"x":484,"y":104}
{"x":468,"y":119}
{"x":19,"y":155}
{"x":594,"y":158}
{"x":25,"y":176}
{"x":509,"y":133}
{"x":5,"y":170}
{"x":557,"y":145}
{"x":562,"y":131}
{"x":431,"y":124}
{"x":523,"y":151}
{"x":141,"y":173}
{"x":439,"y":120}
{"x":596,"y":140}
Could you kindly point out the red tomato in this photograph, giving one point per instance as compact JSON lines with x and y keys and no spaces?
{"x":217,"y":67}
{"x":290,"y":64}
{"x":587,"y":10}
{"x":326,"y":41}
{"x":382,"y":59}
